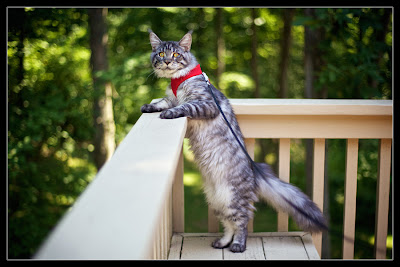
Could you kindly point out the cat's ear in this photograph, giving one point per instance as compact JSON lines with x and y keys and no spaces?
{"x":154,"y":40}
{"x":186,"y":41}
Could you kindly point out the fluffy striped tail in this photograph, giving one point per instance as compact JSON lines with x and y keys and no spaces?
{"x":288,"y":198}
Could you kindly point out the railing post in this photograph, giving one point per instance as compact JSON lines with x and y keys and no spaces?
{"x":213,"y":223}
{"x":382,"y":197}
{"x":250,"y":143}
{"x":350,"y":188}
{"x":178,"y":202}
{"x":284,"y":174}
{"x":318,"y":184}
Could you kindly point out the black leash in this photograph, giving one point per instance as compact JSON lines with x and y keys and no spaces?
{"x":255,"y":167}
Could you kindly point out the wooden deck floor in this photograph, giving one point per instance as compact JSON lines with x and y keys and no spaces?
{"x":260,"y":246}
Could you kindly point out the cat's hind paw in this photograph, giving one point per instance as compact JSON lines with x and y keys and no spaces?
{"x":219,"y":244}
{"x":236,"y":247}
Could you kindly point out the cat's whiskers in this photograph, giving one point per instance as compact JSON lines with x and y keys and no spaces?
{"x":151,"y":73}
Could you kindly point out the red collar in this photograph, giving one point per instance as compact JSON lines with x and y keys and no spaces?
{"x":176,"y":82}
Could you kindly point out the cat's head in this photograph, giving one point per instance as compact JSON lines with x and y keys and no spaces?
{"x":172,"y":59}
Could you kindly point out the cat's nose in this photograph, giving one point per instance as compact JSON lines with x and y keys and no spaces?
{"x":167,"y":62}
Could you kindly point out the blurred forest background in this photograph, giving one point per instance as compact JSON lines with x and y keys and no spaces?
{"x":78,"y":77}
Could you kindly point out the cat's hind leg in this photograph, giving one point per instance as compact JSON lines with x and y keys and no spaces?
{"x":240,"y":237}
{"x":240,"y":219}
{"x":229,"y":231}
{"x":235,"y":234}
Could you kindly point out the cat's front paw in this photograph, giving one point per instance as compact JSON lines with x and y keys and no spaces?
{"x":168,"y":114}
{"x":148,"y":108}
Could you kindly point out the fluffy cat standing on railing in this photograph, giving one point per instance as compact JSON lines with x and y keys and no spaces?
{"x":230,"y":184}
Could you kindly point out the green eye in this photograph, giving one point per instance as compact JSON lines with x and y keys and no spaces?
{"x":161,"y":54}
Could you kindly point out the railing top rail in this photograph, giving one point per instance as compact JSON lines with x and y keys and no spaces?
{"x":264,"y":106}
{"x":116,"y":216}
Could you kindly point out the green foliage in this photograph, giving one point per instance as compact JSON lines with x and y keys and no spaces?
{"x":49,"y":118}
{"x":50,"y":100}
{"x":357,"y":53}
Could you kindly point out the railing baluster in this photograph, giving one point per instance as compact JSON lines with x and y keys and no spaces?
{"x":163,"y":236}
{"x":169,"y":221}
{"x":158,"y":243}
{"x":154,"y":249}
{"x":213,"y":223}
{"x":164,"y":232}
{"x":160,"y":239}
{"x":350,"y":198}
{"x":382,"y":198}
{"x":250,"y":143}
{"x":318,"y":183}
{"x":167,"y":235}
{"x":178,"y":202}
{"x":284,"y":173}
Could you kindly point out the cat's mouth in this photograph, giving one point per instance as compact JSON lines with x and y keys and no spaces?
{"x":170,"y":68}
{"x":167,"y":70}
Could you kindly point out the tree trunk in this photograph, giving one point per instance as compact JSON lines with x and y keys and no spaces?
{"x":103,"y":109}
{"x":220,"y":45}
{"x":198,"y":16}
{"x":309,"y":48}
{"x":313,"y":64}
{"x":380,"y":37}
{"x":285,"y":49}
{"x":17,"y":27}
{"x":254,"y":54}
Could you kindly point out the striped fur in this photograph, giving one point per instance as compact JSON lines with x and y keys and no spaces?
{"x":230,"y":185}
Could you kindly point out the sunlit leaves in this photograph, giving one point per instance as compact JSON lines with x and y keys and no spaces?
{"x":49,"y":123}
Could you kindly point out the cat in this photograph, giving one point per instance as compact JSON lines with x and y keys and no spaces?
{"x":230,"y":184}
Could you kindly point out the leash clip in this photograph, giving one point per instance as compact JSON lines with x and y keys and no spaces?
{"x":206,"y":77}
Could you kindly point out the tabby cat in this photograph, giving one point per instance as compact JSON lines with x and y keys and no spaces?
{"x":230,"y":184}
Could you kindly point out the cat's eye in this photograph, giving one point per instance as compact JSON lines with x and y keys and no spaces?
{"x":161,"y":54}
{"x":176,"y":55}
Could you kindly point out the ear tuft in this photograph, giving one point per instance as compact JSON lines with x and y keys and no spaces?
{"x":154,"y":40}
{"x":186,"y":41}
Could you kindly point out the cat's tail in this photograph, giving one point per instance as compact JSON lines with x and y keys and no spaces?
{"x":288,"y":198}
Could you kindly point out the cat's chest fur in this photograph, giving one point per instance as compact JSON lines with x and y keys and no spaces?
{"x":208,"y":150}
{"x":207,"y":137}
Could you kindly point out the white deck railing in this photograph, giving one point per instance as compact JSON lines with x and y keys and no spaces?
{"x":118,"y":215}
{"x":136,"y":201}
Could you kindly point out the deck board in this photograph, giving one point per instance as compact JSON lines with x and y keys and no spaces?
{"x":176,"y":247}
{"x":284,"y":247}
{"x":199,"y":248}
{"x":254,"y":251}
{"x":260,"y":246}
